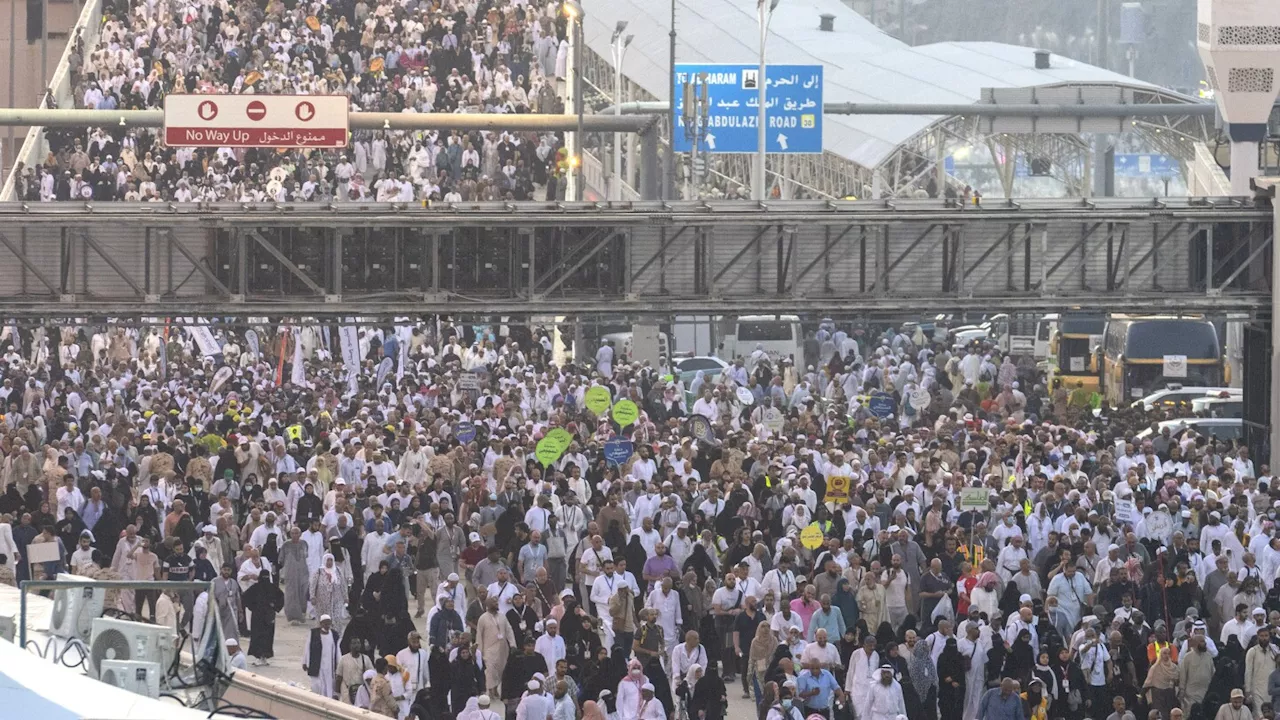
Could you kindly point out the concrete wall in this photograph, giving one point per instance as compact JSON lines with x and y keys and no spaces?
{"x":27,"y":84}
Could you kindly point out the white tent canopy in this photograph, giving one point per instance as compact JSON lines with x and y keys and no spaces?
{"x":862,"y":63}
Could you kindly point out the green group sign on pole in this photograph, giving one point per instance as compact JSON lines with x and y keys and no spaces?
{"x":625,"y":413}
{"x":597,"y":400}
{"x":552,"y":446}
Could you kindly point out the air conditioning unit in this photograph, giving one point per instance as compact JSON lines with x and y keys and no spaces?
{"x":124,"y":640}
{"x":8,"y":627}
{"x":142,"y":678}
{"x":75,"y":609}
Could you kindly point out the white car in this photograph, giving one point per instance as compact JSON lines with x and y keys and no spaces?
{"x":711,"y":367}
{"x":1175,"y":394}
{"x":1227,"y":429}
{"x":1231,"y":406}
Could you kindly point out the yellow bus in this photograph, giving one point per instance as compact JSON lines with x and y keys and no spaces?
{"x":1144,"y":354}
{"x":1072,"y":347}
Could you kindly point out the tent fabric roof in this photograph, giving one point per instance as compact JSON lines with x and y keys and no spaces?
{"x":862,"y":63}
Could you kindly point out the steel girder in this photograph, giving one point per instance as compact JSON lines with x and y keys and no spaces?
{"x":905,"y":257}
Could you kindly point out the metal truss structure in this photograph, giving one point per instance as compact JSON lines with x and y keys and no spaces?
{"x":909,"y":171}
{"x":874,"y":258}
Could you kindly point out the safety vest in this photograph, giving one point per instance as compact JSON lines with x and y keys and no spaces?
{"x":294,"y":432}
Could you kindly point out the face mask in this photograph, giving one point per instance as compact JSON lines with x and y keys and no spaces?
{"x":786,"y":704}
{"x":636,"y":673}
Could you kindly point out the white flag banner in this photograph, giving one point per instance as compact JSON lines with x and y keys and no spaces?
{"x":298,"y":376}
{"x":404,"y":334}
{"x":251,"y":339}
{"x":349,"y":337}
{"x":204,"y":340}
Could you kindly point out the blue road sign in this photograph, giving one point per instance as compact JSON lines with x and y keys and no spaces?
{"x":1136,"y":165}
{"x":793,"y":120}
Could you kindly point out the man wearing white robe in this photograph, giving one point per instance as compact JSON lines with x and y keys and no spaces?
{"x":314,"y":539}
{"x":650,"y":708}
{"x":550,"y":645}
{"x":535,"y":705}
{"x":884,"y":697}
{"x":321,"y":661}
{"x":373,"y":551}
{"x":863,"y":666}
{"x":413,"y":660}
{"x":974,"y":646}
{"x":602,"y":590}
{"x":666,"y":601}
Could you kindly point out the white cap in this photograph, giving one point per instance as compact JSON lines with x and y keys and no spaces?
{"x":453,"y":577}
{"x":1024,"y":598}
{"x":534,"y":685}
{"x":233,"y":642}
{"x":483,"y":700}
{"x":325,"y":617}
{"x":475,"y":537}
{"x":647,"y":686}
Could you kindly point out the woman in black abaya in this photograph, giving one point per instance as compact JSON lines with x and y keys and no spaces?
{"x":709,"y":696}
{"x":263,"y":600}
{"x":1020,"y":662}
{"x":465,"y":680}
{"x":951,"y":681}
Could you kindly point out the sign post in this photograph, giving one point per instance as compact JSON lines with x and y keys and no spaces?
{"x":266,"y":121}
{"x":793,"y":118}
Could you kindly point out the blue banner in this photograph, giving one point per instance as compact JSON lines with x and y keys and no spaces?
{"x":465,"y":432}
{"x":882,"y":405}
{"x":617,"y":452}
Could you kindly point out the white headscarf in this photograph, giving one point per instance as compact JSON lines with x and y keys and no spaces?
{"x":331,"y":572}
{"x":471,"y":711}
{"x":690,"y":677}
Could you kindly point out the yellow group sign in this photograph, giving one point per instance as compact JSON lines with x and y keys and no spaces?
{"x":837,"y":489}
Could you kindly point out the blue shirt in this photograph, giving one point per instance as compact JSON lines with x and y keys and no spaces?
{"x":826,"y":684}
{"x":831,"y":621}
{"x":994,"y":707}
{"x":533,"y":558}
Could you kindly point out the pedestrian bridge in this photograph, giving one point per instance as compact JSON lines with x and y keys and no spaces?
{"x":646,"y":259}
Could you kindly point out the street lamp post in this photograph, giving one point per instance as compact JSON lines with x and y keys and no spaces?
{"x":573,"y":11}
{"x":620,"y":45}
{"x":669,"y":177}
{"x":758,"y":184}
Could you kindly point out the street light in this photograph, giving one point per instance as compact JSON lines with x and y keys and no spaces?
{"x":620,"y":45}
{"x":765,"y":9}
{"x":573,"y":11}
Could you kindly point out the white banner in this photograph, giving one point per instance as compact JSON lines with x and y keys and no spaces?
{"x":298,"y":376}
{"x":251,"y":339}
{"x":384,"y":368}
{"x":349,"y":336}
{"x":403,"y":360}
{"x":1175,"y":366}
{"x":204,"y":339}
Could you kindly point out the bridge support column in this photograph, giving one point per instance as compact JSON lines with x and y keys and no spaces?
{"x":1275,"y":335}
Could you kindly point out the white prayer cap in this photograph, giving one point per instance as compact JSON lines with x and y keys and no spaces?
{"x":647,"y":686}
{"x":325,"y":617}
